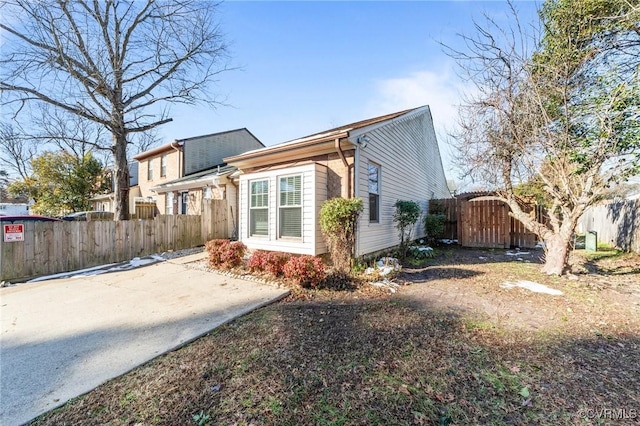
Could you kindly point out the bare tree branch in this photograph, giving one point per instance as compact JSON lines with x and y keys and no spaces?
{"x":112,"y":63}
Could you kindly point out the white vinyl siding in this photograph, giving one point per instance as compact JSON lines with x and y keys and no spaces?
{"x":312,"y":182}
{"x":207,"y":151}
{"x":407,"y":153}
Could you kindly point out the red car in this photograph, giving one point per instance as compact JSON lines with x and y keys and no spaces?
{"x":21,"y":218}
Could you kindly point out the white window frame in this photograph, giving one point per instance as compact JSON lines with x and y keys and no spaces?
{"x":282,"y":207}
{"x":150,"y":169}
{"x":168,"y":203}
{"x":163,"y":166}
{"x":261,"y":207}
{"x":183,"y":207}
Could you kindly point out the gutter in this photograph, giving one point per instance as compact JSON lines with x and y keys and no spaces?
{"x":284,"y":147}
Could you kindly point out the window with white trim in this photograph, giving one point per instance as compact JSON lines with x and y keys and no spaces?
{"x":259,"y":208}
{"x":290,"y":209}
{"x":150,"y":169}
{"x":169,"y":203}
{"x":374,"y":192}
{"x":184,"y":202}
{"x":163,"y":166}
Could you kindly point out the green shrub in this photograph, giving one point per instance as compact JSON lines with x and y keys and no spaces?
{"x":434,"y":226}
{"x":225,"y":254}
{"x":417,"y":254}
{"x":338,"y":219}
{"x":405,"y":217}
{"x":306,"y":271}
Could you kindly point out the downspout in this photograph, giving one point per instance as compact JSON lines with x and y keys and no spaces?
{"x":235,"y":233}
{"x":346,"y":165}
{"x":174,"y":200}
{"x":177,"y":148}
{"x":356,"y":193}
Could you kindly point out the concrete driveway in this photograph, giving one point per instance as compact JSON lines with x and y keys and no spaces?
{"x":62,"y":338}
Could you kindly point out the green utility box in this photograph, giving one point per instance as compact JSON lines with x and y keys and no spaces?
{"x":591,"y":241}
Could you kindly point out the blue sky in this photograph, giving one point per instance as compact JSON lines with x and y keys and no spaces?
{"x":309,"y":66}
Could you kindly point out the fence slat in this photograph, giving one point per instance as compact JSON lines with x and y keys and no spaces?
{"x":54,"y":247}
{"x":616,"y":223}
{"x":483,"y":223}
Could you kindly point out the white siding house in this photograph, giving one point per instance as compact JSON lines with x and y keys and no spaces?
{"x":405,"y":153}
{"x":381,"y":160}
{"x":279,"y":209}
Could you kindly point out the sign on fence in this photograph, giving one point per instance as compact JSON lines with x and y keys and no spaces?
{"x":13,"y":233}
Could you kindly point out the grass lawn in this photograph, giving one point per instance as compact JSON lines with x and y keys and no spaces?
{"x":450,"y":347}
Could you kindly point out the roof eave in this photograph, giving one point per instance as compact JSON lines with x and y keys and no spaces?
{"x":303,"y":147}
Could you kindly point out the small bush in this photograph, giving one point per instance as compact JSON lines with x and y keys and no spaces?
{"x":306,"y":271}
{"x":271,"y":262}
{"x":257,"y":261}
{"x":338,"y":219}
{"x":275,"y":262}
{"x":405,"y":217}
{"x":225,"y":254}
{"x":434,"y":226}
{"x":418,"y":254}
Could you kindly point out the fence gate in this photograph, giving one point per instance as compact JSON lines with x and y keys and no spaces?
{"x":484,"y":223}
{"x":214,"y":219}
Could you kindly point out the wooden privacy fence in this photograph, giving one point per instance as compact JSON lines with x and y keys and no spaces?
{"x":214,"y":219}
{"x":54,"y":247}
{"x":483,"y":222}
{"x":146,"y":210}
{"x":617,"y":224}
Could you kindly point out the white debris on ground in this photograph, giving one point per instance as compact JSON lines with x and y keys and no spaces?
{"x":421,"y":248}
{"x":540,"y":244}
{"x":448,"y":241}
{"x":531,"y":286}
{"x":384,"y":267}
{"x":517,"y":253}
{"x":136,"y":262}
{"x":393,"y":287}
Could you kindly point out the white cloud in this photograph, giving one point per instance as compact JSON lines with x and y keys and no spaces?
{"x":440,"y":89}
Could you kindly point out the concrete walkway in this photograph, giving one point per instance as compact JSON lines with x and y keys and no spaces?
{"x":62,"y":338}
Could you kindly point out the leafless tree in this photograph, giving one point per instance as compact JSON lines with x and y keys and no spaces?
{"x":115,"y":63}
{"x":16,"y":151}
{"x":554,"y":122}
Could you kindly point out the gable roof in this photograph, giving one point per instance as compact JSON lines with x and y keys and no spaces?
{"x":320,"y":137}
{"x":179,"y":143}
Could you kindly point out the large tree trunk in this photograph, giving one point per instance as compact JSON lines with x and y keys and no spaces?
{"x":556,"y":254}
{"x":121,"y":177}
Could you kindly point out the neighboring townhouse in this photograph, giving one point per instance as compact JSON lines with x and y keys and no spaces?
{"x":178,"y":176}
{"x":381,"y":160}
{"x":106,"y":202}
